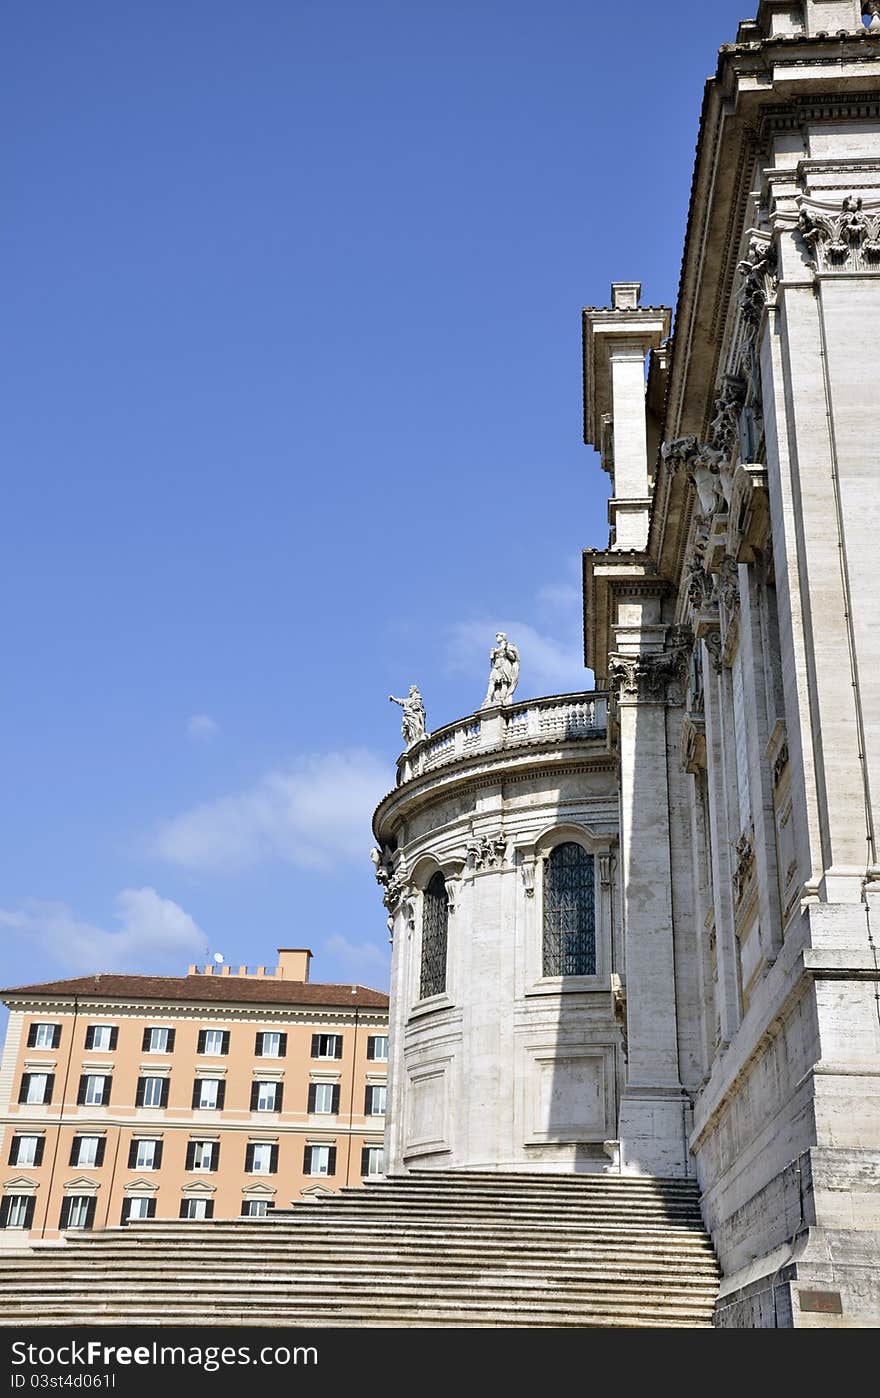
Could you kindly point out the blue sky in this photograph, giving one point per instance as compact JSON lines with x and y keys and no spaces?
{"x":293,"y":420}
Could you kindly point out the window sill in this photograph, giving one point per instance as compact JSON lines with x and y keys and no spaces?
{"x":569,"y":985}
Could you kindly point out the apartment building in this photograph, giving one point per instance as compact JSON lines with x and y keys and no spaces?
{"x":217,"y":1094}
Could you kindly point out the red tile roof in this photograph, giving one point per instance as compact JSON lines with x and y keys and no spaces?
{"x":217,"y":989}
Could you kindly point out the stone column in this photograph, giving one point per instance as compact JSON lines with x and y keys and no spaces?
{"x":652,"y":1112}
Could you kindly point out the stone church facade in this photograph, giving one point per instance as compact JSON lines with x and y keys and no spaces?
{"x":636,"y":929}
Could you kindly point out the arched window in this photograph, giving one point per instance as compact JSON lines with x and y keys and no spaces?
{"x":435,"y":918}
{"x":569,"y":912}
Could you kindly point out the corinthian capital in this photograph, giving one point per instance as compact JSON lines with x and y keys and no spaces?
{"x":651,"y":677}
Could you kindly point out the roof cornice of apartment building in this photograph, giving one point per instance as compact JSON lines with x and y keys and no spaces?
{"x":198,"y":992}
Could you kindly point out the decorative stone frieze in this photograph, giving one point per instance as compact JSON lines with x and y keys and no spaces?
{"x":486,"y":852}
{"x":841,"y":239}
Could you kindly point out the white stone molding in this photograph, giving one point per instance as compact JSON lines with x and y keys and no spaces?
{"x":20,"y":1184}
{"x":81,"y":1184}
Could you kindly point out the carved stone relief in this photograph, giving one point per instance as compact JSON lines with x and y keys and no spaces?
{"x":486,"y":852}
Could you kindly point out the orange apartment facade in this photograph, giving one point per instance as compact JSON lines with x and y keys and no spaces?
{"x":212,"y":1095}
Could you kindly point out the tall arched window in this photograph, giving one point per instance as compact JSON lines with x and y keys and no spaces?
{"x":569,"y":912}
{"x":435,"y":919}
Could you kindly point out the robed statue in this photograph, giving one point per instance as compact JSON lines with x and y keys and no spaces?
{"x":504,"y":660}
{"x":413,"y":720}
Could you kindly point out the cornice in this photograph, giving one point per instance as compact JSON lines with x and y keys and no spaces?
{"x":186,"y":1010}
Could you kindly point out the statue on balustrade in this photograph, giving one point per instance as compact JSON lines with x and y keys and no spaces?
{"x":413,"y":721}
{"x":503,"y":676}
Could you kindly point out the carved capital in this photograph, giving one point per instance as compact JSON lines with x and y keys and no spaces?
{"x":486,"y":852}
{"x":712,"y":641}
{"x":759,"y":277}
{"x":727,"y":584}
{"x":841,"y":239}
{"x":527,"y":869}
{"x":652,"y":677}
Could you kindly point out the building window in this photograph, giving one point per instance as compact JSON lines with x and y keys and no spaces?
{"x":266,"y":1096}
{"x":17,"y":1210}
{"x":324,"y":1098}
{"x":36,"y":1089}
{"x":78,"y":1211}
{"x":326,"y":1045}
{"x":569,"y":912}
{"x":372,"y":1161}
{"x":94,"y":1090}
{"x":47,"y":1036}
{"x":137,"y":1207}
{"x":158,"y":1039}
{"x":152,"y":1092}
{"x":209,"y":1094}
{"x":101,"y":1036}
{"x":145,"y":1155}
{"x":435,"y":919}
{"x":197,"y":1208}
{"x":261,"y":1158}
{"x":320,"y":1160}
{"x":271,"y":1044}
{"x":27,"y":1150}
{"x":203,"y":1155}
{"x":377,"y":1047}
{"x":374,"y":1105}
{"x":256,"y":1208}
{"x":87,"y":1151}
{"x":214,"y":1042}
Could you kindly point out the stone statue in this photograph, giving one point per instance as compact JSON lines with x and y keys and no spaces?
{"x":413,"y":722}
{"x":504,"y":659}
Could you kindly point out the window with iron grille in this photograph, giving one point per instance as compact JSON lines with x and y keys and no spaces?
{"x":569,"y":912}
{"x":435,"y":918}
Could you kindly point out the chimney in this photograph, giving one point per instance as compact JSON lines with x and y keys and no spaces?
{"x":293,"y":963}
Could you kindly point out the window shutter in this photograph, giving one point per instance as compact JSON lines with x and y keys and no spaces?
{"x":255,"y":1093}
{"x":157,"y":1155}
{"x":56,"y":1035}
{"x":74,"y":1151}
{"x":201,"y":1046}
{"x":258,"y":1044}
{"x":5,"y":1206}
{"x":114,"y":1038}
{"x":273,"y":1160}
{"x":126,"y":1205}
{"x":50,"y":1087}
{"x":139,"y":1092}
{"x":245,"y":1209}
{"x":279,"y":1095}
{"x":221,"y":1095}
{"x":170,"y":1049}
{"x":163,"y":1098}
{"x":32,"y":1037}
{"x":81,"y":1094}
{"x":29,"y":1208}
{"x":23,"y":1090}
{"x":282,"y":1045}
{"x":105,"y":1091}
{"x":99,"y":1153}
{"x":371,"y":1047}
{"x":316,"y":1045}
{"x":331,"y":1166}
{"x":209,"y":1209}
{"x":13,"y":1151}
{"x":183,"y":1209}
{"x":337,"y":1045}
{"x":334,"y":1106}
{"x":41,"y":1146}
{"x":132,"y":1155}
{"x":145,"y":1044}
{"x":151,"y":1208}
{"x":91,"y":1206}
{"x":225,"y":1045}
{"x":313,"y":1090}
{"x":196,"y":1092}
{"x":90,"y":1036}
{"x":307,"y":1160}
{"x":368,"y":1101}
{"x":215,"y":1156}
{"x":190,"y":1154}
{"x":365,"y":1160}
{"x":249,"y":1159}
{"x":65,"y":1213}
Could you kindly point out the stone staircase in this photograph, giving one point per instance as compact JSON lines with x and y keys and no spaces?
{"x":453,"y":1249}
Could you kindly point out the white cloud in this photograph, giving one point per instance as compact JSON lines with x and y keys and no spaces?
{"x":154,"y":934}
{"x":358,"y":959}
{"x":312,"y":814}
{"x":202,"y":728}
